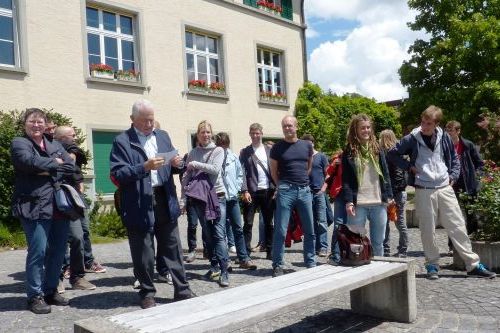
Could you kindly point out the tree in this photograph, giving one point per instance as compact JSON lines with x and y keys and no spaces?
{"x":458,"y":68}
{"x":326,"y":116}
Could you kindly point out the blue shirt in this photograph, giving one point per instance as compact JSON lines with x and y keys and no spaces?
{"x":292,"y":161}
{"x":317,"y":175}
{"x":232,"y":175}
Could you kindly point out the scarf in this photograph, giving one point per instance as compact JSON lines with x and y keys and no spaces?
{"x":362,"y":160}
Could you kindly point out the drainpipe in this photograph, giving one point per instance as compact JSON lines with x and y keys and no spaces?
{"x":303,"y":37}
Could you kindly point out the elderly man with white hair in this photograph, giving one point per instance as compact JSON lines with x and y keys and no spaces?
{"x":148,"y":200}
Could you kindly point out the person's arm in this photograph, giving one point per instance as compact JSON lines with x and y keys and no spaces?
{"x":274,"y":170}
{"x":476,"y":158}
{"x":213,"y":166}
{"x":348,"y":175}
{"x":454,"y":171}
{"x":244,"y":184}
{"x":239,"y":174}
{"x":26,"y":160}
{"x":403,"y":147}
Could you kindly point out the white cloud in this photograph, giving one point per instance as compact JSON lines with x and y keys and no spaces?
{"x":311,"y":33}
{"x":366,"y":59}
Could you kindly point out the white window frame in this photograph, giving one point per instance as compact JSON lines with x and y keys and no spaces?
{"x":273,"y":69}
{"x":204,"y":53}
{"x":118,"y":35}
{"x":14,"y":14}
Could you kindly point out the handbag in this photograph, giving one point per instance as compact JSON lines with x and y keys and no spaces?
{"x":68,"y":201}
{"x":355,"y":249}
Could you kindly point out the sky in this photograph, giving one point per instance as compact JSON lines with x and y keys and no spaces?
{"x":359,"y":45}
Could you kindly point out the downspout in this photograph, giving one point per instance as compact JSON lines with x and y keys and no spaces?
{"x":303,"y":36}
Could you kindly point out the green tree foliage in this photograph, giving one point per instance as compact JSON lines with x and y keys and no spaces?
{"x":458,"y":68}
{"x":326,"y":116}
{"x":10,"y":127}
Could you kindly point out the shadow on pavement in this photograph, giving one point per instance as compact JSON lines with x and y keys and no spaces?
{"x":106,"y":300}
{"x":13,"y":304}
{"x":118,"y":265}
{"x":13,"y":288}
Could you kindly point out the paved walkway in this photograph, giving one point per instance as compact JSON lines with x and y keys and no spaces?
{"x":451,"y":304}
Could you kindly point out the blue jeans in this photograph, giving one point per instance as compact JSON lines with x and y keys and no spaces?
{"x":320,"y":225}
{"x":339,"y":217}
{"x":229,"y":231}
{"x":377,"y":215}
{"x":292,"y":196}
{"x":233,"y":216}
{"x":400,"y":198}
{"x":46,"y":249}
{"x":214,"y":234}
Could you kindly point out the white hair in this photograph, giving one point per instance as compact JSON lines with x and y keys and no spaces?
{"x":141,"y":105}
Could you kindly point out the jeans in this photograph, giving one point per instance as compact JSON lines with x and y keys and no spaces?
{"x":214,"y":234}
{"x":339,"y":217}
{"x":320,"y":225}
{"x":46,"y":248}
{"x":229,"y":232}
{"x":262,"y":230}
{"x":233,"y":216}
{"x":88,"y":257}
{"x":377,"y":215}
{"x":400,"y":198}
{"x":292,"y":196}
{"x":75,"y":240}
{"x":192,"y":224}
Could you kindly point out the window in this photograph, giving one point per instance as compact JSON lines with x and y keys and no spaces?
{"x":270,"y":6}
{"x":111,"y":40}
{"x":269,"y":64}
{"x":204,"y":62}
{"x":9,"y":44}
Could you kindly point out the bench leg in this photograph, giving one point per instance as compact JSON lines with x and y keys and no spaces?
{"x":393,"y":298}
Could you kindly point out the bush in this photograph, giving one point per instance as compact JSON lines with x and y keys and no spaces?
{"x":487,"y":204}
{"x":106,"y":222}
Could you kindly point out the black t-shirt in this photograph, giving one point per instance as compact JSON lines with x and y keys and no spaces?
{"x":292,"y":161}
{"x":430,"y":140}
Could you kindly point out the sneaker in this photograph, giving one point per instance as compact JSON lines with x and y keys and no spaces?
{"x":322,"y":253}
{"x":224,"y":279}
{"x":277,"y":271}
{"x":248,"y":265}
{"x":269,"y":255}
{"x":229,"y":266}
{"x":56,"y":299}
{"x":60,"y":287}
{"x":82,"y":284}
{"x":402,"y":255}
{"x":67,"y":273}
{"x":432,"y":272}
{"x":232,"y":249}
{"x":191,"y":256}
{"x":482,"y":271}
{"x":450,"y":253}
{"x":181,"y":297}
{"x":95,"y":268}
{"x":37,"y":305}
{"x":148,"y":302}
{"x":387,"y":254}
{"x":167,"y":278}
{"x":332,"y":261}
{"x":212,"y":274}
{"x":137,"y":284}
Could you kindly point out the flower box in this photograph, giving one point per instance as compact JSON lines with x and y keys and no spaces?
{"x":129,"y":76}
{"x":102,"y":75}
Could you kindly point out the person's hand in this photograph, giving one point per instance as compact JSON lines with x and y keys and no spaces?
{"x":183,"y":210}
{"x":190,"y":166}
{"x":59,"y":160}
{"x":391,"y":202}
{"x":177,"y":162}
{"x":452,"y":182}
{"x":154,"y":163}
{"x":247,"y":198}
{"x":66,"y":169}
{"x":349,"y":207}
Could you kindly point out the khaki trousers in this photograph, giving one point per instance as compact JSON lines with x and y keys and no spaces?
{"x":441,"y":205}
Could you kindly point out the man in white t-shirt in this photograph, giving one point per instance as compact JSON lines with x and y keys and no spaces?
{"x":257,"y":188}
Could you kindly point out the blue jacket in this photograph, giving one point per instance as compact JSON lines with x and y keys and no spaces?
{"x":350,"y":182}
{"x":127,"y":168}
{"x":409,"y":145}
{"x":33,"y":196}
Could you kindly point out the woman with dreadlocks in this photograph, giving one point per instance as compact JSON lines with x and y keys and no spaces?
{"x":366,"y":185}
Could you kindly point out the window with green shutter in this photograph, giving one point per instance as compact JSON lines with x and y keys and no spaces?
{"x":287,"y":8}
{"x":252,"y":3}
{"x":101,"y":145}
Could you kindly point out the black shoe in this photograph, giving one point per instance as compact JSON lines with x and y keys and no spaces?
{"x":37,"y":305}
{"x":482,"y":271}
{"x":269,"y":255}
{"x":56,"y":299}
{"x":212,"y":274}
{"x":148,"y":302}
{"x":277,"y":271}
{"x":224,"y":279}
{"x":182,"y":297}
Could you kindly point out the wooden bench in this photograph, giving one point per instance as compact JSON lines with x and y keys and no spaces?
{"x":384,"y":289}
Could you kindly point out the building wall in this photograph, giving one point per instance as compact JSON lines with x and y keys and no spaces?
{"x":58,"y":78}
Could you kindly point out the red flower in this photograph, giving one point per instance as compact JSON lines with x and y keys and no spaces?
{"x":197,"y":83}
{"x":101,"y":68}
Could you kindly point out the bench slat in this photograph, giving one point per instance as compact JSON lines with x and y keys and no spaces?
{"x":254,"y":301}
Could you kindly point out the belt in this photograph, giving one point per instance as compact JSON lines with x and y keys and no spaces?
{"x":429,"y":187}
{"x":158,"y":190}
{"x":221,"y":195}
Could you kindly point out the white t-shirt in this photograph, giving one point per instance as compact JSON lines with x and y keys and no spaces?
{"x":263,"y":181}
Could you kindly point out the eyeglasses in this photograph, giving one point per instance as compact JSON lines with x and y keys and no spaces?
{"x":37,"y":122}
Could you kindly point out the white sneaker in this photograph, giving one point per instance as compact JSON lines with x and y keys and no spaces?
{"x":232,"y":249}
{"x":137,"y":284}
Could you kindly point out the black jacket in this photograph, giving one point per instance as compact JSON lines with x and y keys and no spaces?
{"x":250,"y":173}
{"x":470,"y":163}
{"x":399,"y":177}
{"x":350,"y":181}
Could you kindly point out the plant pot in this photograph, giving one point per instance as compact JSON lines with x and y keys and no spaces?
{"x":217,"y":92}
{"x":196,"y":88}
{"x":128,"y":78}
{"x":489,"y":252}
{"x":262,"y":7}
{"x":102,"y":75}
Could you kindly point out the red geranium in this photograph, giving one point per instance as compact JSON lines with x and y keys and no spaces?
{"x":101,"y":68}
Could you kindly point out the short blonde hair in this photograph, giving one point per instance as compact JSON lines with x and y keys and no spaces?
{"x":387,"y":139}
{"x":204,"y":124}
{"x":434,"y":113}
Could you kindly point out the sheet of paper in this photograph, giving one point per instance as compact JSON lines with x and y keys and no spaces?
{"x":168,"y":155}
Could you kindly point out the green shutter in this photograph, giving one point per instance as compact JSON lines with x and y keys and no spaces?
{"x":102,"y":142}
{"x":287,"y":7}
{"x":252,"y":3}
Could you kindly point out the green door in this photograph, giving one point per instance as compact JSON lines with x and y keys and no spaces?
{"x":101,"y":145}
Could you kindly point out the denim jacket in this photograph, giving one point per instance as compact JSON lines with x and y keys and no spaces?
{"x":232,"y":175}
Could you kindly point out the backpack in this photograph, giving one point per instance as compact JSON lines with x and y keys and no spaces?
{"x":355,"y":249}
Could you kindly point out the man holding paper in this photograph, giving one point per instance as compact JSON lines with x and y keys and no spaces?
{"x":148,"y":199}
